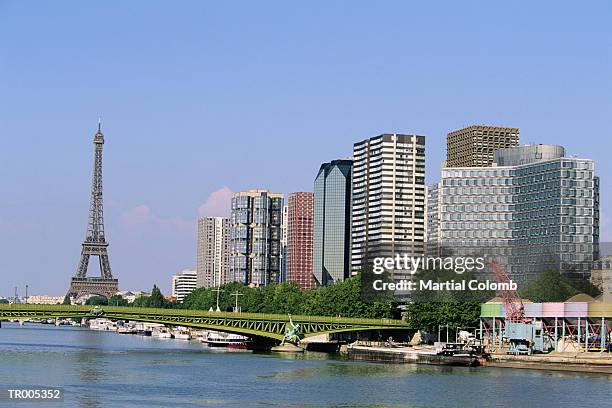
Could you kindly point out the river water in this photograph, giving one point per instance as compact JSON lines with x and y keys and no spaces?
{"x":104,"y":369}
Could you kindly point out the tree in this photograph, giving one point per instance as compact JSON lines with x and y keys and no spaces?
{"x":429,"y":315}
{"x":429,"y":309}
{"x":4,"y":301}
{"x":284,"y":298}
{"x":117,"y":300}
{"x":200,"y":299}
{"x":173,"y":305}
{"x":343,"y":298}
{"x":142,"y":301}
{"x":66,"y":300}
{"x":551,"y":286}
{"x":97,"y":300}
{"x":156,"y":298}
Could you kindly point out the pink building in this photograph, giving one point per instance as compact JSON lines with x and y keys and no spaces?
{"x":300,"y":239}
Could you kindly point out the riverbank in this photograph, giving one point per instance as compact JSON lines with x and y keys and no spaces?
{"x":578,"y":362}
{"x":573,"y":362}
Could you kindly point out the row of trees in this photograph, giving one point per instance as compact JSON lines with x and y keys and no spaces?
{"x":428,"y":310}
{"x":551,"y":286}
{"x":341,"y":299}
{"x":156,"y":299}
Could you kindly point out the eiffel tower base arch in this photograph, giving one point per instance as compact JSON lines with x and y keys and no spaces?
{"x":93,"y":286}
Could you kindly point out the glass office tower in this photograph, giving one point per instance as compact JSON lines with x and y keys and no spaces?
{"x":332,"y":222}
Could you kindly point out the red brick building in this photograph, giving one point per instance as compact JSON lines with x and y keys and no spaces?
{"x":300,"y":239}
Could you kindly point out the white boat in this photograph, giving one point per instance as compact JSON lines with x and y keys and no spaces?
{"x":181,"y":333}
{"x":162,"y":333}
{"x":145,"y":329}
{"x":230,"y":340}
{"x":126,"y":329}
{"x":102,"y":325}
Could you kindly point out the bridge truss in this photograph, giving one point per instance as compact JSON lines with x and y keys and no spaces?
{"x":272,"y":326}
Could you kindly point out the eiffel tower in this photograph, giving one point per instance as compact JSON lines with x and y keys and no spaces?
{"x":95,"y":242}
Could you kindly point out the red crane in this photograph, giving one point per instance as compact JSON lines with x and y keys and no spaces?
{"x":515,"y":310}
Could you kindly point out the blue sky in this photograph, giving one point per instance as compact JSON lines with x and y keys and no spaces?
{"x":199,"y":97}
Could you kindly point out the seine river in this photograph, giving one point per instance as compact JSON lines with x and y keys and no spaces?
{"x":103,"y":369}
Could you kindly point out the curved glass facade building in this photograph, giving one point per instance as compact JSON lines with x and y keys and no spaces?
{"x":541,"y":213}
{"x":516,"y":156}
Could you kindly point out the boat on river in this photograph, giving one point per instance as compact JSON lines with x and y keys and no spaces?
{"x":162,"y":333}
{"x":229,"y":340}
{"x":181,"y":333}
{"x":102,"y":325}
{"x":448,"y":354}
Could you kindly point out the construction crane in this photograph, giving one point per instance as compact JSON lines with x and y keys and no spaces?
{"x":515,"y":310}
{"x":523,"y":335}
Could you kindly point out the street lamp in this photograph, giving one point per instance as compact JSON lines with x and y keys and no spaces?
{"x":218,"y":290}
{"x":236,"y":294}
{"x":26,"y":295}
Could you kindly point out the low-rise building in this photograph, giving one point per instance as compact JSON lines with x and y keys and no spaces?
{"x":184,"y":283}
{"x":45,"y":300}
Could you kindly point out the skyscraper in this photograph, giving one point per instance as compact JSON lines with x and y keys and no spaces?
{"x":534,"y":209}
{"x":388,"y":210}
{"x":332,"y":222}
{"x":300,"y":239}
{"x":213,"y":251}
{"x":255,"y":237}
{"x":475,"y":145}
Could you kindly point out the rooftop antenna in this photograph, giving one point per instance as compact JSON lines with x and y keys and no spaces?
{"x":99,"y":123}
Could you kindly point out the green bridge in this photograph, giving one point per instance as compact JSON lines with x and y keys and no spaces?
{"x":271,"y":326}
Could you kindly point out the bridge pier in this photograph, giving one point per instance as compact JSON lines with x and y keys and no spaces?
{"x":287,"y":348}
{"x":21,"y":322}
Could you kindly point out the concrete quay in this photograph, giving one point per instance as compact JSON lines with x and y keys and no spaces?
{"x":579,"y":362}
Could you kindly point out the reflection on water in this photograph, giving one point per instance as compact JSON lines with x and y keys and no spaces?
{"x":100,"y":369}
